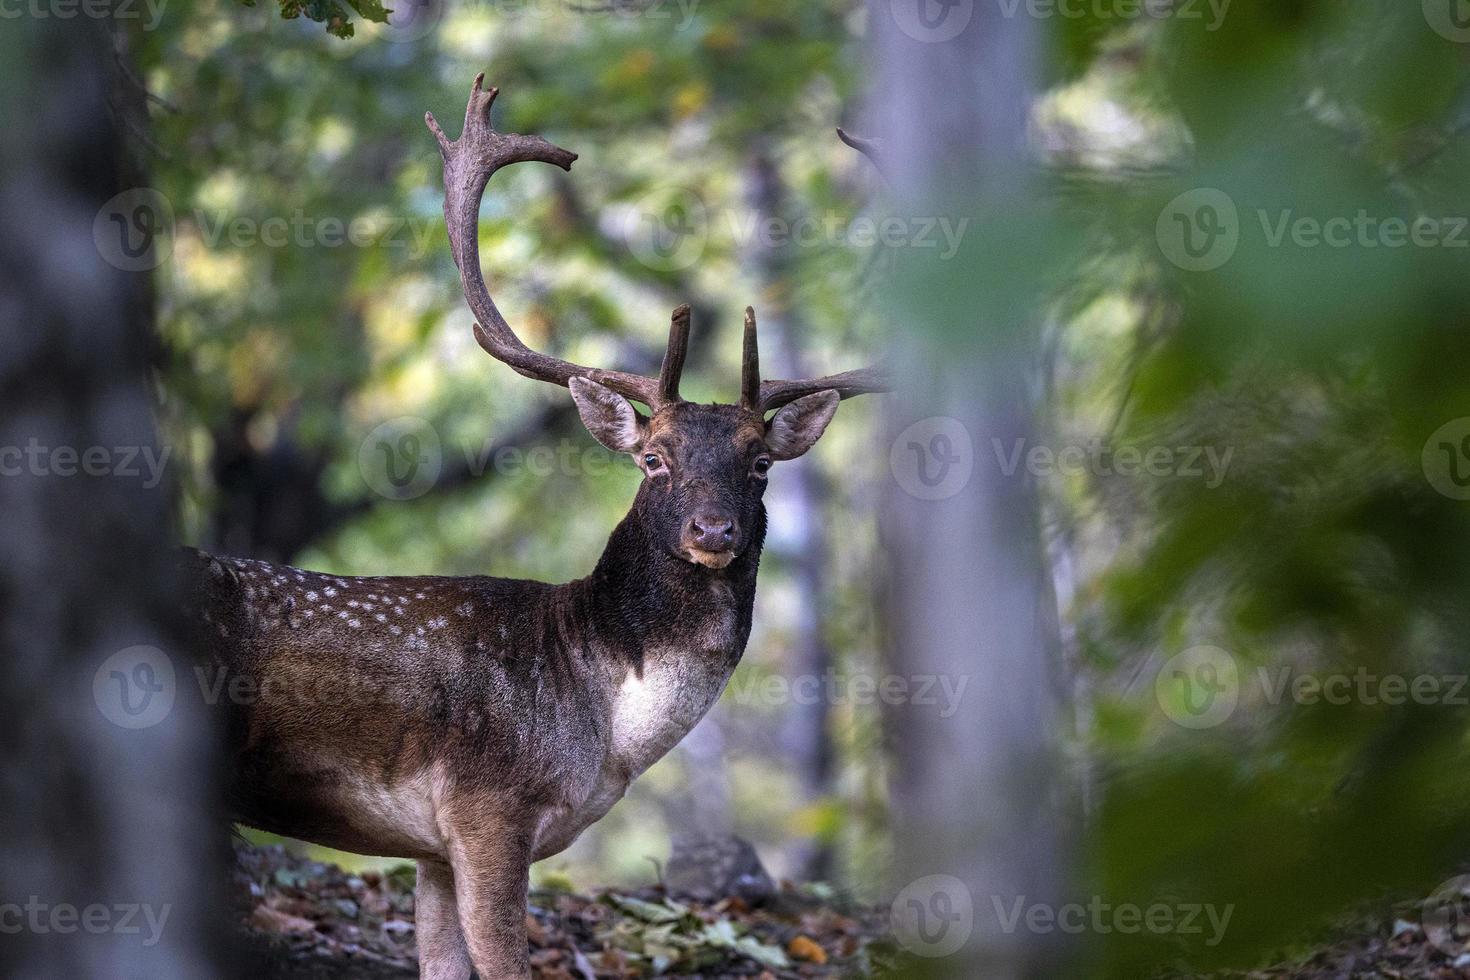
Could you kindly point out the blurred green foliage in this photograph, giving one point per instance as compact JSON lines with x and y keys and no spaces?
{"x":1324,"y":370}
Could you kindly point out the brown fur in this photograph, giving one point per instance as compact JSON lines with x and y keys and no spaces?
{"x":477,"y":724}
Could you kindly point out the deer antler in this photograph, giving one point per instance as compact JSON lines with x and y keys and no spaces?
{"x":762,"y":396}
{"x":870,"y":147}
{"x":468,"y":164}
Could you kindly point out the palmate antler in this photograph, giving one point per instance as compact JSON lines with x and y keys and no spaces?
{"x":468,"y":163}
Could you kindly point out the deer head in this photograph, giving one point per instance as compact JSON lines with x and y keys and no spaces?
{"x":705,"y":466}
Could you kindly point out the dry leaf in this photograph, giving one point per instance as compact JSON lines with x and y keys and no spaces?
{"x":267,"y":919}
{"x":803,"y":948}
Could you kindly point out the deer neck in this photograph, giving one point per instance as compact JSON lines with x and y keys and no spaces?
{"x":672,"y":633}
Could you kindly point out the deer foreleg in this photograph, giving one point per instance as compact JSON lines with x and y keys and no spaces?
{"x":491,"y":862}
{"x":443,"y":954}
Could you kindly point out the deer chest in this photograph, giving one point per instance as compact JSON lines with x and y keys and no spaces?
{"x":650,"y":711}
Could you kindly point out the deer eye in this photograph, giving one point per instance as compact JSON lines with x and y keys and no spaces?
{"x":652,"y":461}
{"x":761,"y":465}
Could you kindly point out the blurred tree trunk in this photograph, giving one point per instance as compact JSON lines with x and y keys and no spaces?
{"x":797,"y":538}
{"x":106,"y":843}
{"x":976,"y":795}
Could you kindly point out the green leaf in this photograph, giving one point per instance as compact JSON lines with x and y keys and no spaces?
{"x":647,"y":911}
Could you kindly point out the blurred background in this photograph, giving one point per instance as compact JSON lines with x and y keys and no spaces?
{"x":1160,"y":547}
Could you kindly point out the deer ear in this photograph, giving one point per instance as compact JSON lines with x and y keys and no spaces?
{"x":797,"y":426}
{"x":611,"y":419}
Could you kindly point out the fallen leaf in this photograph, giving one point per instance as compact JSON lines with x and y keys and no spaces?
{"x":267,"y":919}
{"x":803,"y":948}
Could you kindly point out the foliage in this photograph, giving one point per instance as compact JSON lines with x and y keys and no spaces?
{"x":331,"y":13}
{"x":1325,"y":550}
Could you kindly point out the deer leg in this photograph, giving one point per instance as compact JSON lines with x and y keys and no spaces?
{"x":443,"y":954}
{"x":491,"y":864}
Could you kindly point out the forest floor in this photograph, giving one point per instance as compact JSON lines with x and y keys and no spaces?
{"x":305,"y":920}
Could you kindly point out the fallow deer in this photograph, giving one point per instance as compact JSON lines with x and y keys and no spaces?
{"x":476,"y":725}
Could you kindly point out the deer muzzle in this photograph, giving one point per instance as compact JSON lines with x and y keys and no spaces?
{"x":710,"y":539}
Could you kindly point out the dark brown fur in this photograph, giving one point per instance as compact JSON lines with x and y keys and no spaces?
{"x":500,"y":699}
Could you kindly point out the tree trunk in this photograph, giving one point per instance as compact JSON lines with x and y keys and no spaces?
{"x":105,"y":853}
{"x":976,"y":794}
{"x":806,"y":741}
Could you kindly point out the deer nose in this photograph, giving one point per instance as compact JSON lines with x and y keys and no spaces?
{"x":711,"y":532}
